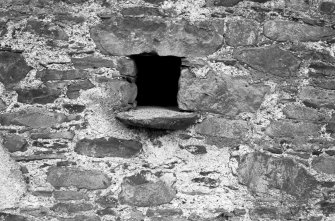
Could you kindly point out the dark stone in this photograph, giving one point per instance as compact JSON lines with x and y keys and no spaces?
{"x":261,"y":172}
{"x":300,"y":112}
{"x":71,"y":207}
{"x":194,"y":149}
{"x":13,"y":68}
{"x":42,"y":193}
{"x":145,"y":194}
{"x":74,"y":108}
{"x":206,"y":181}
{"x":3,"y":105}
{"x":156,"y":2}
{"x":221,"y":94}
{"x":157,"y":118}
{"x":73,"y":90}
{"x":324,"y":164}
{"x":81,"y":217}
{"x":83,"y":179}
{"x":107,"y":201}
{"x":33,"y":117}
{"x":327,"y":7}
{"x":164,"y":212}
{"x":242,"y":32}
{"x":42,"y":95}
{"x":285,"y":128}
{"x":46,"y":30}
{"x":141,"y":11}
{"x":72,"y":1}
{"x":225,"y":3}
{"x":92,"y":62}
{"x":154,"y":34}
{"x":3,"y":28}
{"x":13,"y":143}
{"x":67,"y":18}
{"x":12,"y":217}
{"x":270,"y":60}
{"x":327,"y":207}
{"x":110,"y":147}
{"x":106,"y":211}
{"x":317,"y":98}
{"x":53,"y":75}
{"x":46,"y":134}
{"x":280,"y":30}
{"x":270,"y":213}
{"x":69,"y":195}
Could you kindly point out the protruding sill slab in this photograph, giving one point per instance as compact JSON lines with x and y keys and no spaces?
{"x":157,"y":118}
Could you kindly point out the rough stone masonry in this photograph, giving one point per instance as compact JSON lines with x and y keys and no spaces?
{"x":257,"y":84}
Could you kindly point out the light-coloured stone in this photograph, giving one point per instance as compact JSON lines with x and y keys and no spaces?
{"x":12,"y":185}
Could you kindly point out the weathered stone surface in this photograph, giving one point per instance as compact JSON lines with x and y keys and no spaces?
{"x":261,"y":172}
{"x":12,"y":217}
{"x":219,"y":94}
{"x":226,"y":3}
{"x":12,"y":185}
{"x":285,"y":128}
{"x":327,"y":7}
{"x":53,"y":74}
{"x":322,"y":75}
{"x":136,"y":35}
{"x":42,"y":95}
{"x":300,"y":112}
{"x":73,"y":90}
{"x":46,"y":134}
{"x":45,"y":29}
{"x":110,"y":147}
{"x":3,"y":28}
{"x":164,"y":212}
{"x":82,"y":218}
{"x":13,"y":143}
{"x":157,"y":118}
{"x":3,"y":105}
{"x":13,"y":68}
{"x":32,"y":117}
{"x":92,"y":62}
{"x":83,"y":179}
{"x":143,"y":193}
{"x":299,"y":5}
{"x":71,"y":207}
{"x":107,"y":201}
{"x":242,"y":32}
{"x":324,"y":164}
{"x":315,"y":97}
{"x":221,"y":127}
{"x":141,"y":11}
{"x":280,"y":30}
{"x":126,"y":66}
{"x":194,"y":149}
{"x":270,"y":60}
{"x":74,"y":108}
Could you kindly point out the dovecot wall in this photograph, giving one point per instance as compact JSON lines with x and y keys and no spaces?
{"x":175,"y":110}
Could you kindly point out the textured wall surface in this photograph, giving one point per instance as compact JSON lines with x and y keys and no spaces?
{"x":259,"y":75}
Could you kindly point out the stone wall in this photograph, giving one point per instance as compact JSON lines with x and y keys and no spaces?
{"x":259,"y":73}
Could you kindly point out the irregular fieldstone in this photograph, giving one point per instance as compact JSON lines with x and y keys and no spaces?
{"x":261,"y":172}
{"x":194,"y":149}
{"x":221,"y":127}
{"x":13,"y":143}
{"x":45,"y":29}
{"x":145,"y":193}
{"x":83,"y":179}
{"x":126,"y":66}
{"x":164,"y":212}
{"x":74,"y":108}
{"x":157,"y":118}
{"x":110,"y":147}
{"x":315,"y":97}
{"x":3,"y":28}
{"x":141,"y":11}
{"x":73,"y":90}
{"x":42,"y":95}
{"x":92,"y":62}
{"x":242,"y":32}
{"x":225,"y":3}
{"x":322,"y":75}
{"x":300,"y":112}
{"x":13,"y":68}
{"x":291,"y":129}
{"x":219,"y":94}
{"x":32,"y":117}
{"x":106,"y":211}
{"x":136,"y":35}
{"x":12,"y":185}
{"x":53,"y":75}
{"x":107,"y":201}
{"x":327,"y":7}
{"x":324,"y":164}
{"x":3,"y":105}
{"x":279,"y":30}
{"x":156,"y":2}
{"x":12,"y":217}
{"x":299,"y":5}
{"x":270,"y":60}
{"x":82,"y":218}
{"x":71,"y":207}
{"x":68,"y":18}
{"x":68,"y":135}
